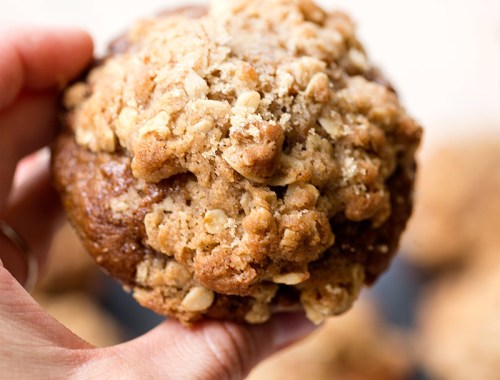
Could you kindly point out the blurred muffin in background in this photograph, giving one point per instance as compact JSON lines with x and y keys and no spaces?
{"x":68,"y":265}
{"x":355,"y":346}
{"x":459,"y":326}
{"x":83,"y":316}
{"x":457,"y":210}
{"x":68,"y":290}
{"x":454,"y":235}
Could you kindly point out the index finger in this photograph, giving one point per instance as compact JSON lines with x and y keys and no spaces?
{"x":40,"y":58}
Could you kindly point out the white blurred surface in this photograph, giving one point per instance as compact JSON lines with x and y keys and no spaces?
{"x":442,"y":55}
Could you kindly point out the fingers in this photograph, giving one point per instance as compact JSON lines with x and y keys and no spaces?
{"x":34,"y":212}
{"x":211,"y":350}
{"x":33,"y":64}
{"x":29,"y":124}
{"x":25,"y":126}
{"x":40,"y":58}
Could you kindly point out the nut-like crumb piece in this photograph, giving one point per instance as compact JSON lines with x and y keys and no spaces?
{"x":198,"y":298}
{"x":260,"y":311}
{"x":249,"y":100}
{"x":358,"y":59}
{"x":142,"y":273}
{"x":195,"y":86}
{"x":255,"y":150}
{"x":319,"y":88}
{"x":156,"y":125}
{"x":290,"y":278}
{"x":333,"y":127}
{"x":311,"y":11}
{"x":332,"y":298}
{"x":215,"y":220}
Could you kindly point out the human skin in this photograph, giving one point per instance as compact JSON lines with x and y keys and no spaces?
{"x":34,"y":64}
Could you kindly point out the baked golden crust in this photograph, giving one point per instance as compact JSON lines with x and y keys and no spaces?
{"x":223,"y":160}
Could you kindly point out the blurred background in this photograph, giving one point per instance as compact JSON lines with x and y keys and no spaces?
{"x":436,"y":313}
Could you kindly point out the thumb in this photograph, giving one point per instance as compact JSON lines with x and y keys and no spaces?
{"x":212,"y":350}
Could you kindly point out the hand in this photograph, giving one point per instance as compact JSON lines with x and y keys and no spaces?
{"x":33,"y":65}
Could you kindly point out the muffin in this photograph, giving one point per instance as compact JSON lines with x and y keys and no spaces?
{"x":239,"y":160}
{"x":355,"y":346}
{"x":83,"y":316}
{"x":459,"y":328}
{"x":68,"y":265}
{"x":458,"y":208}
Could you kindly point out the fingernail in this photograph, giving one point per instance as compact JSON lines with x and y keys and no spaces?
{"x":291,"y":327}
